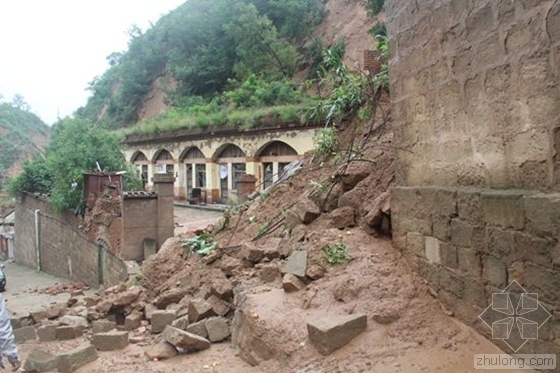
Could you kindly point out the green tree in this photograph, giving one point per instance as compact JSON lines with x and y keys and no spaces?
{"x":77,"y":147}
{"x":258,"y":47}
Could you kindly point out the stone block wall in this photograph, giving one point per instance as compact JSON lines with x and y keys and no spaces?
{"x":469,"y":243}
{"x":475,"y":92}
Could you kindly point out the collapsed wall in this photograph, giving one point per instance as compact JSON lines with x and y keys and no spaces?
{"x":476,"y":113}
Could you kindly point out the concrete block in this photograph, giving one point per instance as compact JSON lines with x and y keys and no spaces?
{"x":415,"y":243}
{"x":441,"y":228}
{"x":468,"y":205}
{"x":448,"y":255}
{"x":103,"y":326}
{"x":430,"y":272}
{"x":133,"y":321}
{"x":160,"y":319}
{"x":218,"y":329}
{"x":494,"y":271}
{"x":77,"y":358}
{"x":24,"y":334}
{"x":296,"y":263}
{"x":501,"y":243}
{"x":47,"y":333}
{"x":543,"y":213}
{"x":110,"y":341}
{"x":461,"y":233}
{"x":504,"y":208}
{"x":39,"y":316}
{"x":199,"y":309}
{"x":451,"y":283}
{"x":40,"y":361}
{"x":291,"y":283}
{"x":182,"y":339}
{"x":533,"y":249}
{"x":198,"y":328}
{"x":181,"y":323}
{"x":432,"y":249}
{"x":149,"y":310}
{"x":474,"y":293}
{"x":330,"y":333}
{"x":469,"y":262}
{"x":64,"y":333}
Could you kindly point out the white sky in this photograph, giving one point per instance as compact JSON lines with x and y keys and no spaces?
{"x":50,"y":50}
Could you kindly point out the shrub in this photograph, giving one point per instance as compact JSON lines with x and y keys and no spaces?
{"x":336,"y":254}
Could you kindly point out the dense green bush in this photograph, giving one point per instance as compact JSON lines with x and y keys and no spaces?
{"x":256,"y":92}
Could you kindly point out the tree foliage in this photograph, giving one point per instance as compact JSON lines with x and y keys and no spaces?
{"x":202,"y":45}
{"x":76,"y":147}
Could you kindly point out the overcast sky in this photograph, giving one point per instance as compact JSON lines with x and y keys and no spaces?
{"x":50,"y":50}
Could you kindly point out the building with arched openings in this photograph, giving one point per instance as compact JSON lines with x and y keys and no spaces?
{"x":209,"y":161}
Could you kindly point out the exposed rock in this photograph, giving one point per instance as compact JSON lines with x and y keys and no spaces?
{"x":103,"y":326}
{"x":127,"y":297}
{"x":39,"y":316}
{"x":110,"y":341}
{"x":219,"y":306}
{"x":299,"y":233}
{"x":161,"y":351}
{"x":72,"y":360}
{"x":353,"y":175}
{"x":200,"y":309}
{"x":285,"y":248}
{"x":64,"y":333}
{"x":149,"y":310}
{"x":47,"y":333}
{"x":307,"y":210}
{"x":55,"y":311}
{"x":185,"y":340}
{"x":25,"y":334}
{"x":160,"y":319}
{"x":332,"y":332}
{"x":133,"y":321}
{"x":385,"y":319}
{"x":291,"y":283}
{"x":269,"y":272}
{"x":252,"y":253}
{"x":222,"y":288}
{"x":40,"y":361}
{"x":315,"y":271}
{"x":218,"y":329}
{"x":297,"y":263}
{"x":92,"y":301}
{"x":229,"y":264}
{"x":181,"y":323}
{"x":343,"y":217}
{"x":291,"y":220}
{"x":104,"y":306}
{"x":198,"y":328}
{"x":73,"y":320}
{"x":169,"y":297}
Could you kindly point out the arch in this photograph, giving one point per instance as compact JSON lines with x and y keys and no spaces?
{"x":163,"y":156}
{"x":138,"y":157}
{"x":228,"y":150}
{"x":192,"y":154}
{"x":275,"y":148}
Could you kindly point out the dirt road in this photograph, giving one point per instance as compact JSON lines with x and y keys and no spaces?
{"x":21,"y":295}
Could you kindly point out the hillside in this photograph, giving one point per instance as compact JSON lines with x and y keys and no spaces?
{"x":22,"y":136}
{"x":212,"y":59}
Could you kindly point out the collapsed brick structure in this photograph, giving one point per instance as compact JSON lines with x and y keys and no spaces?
{"x":117,"y":227}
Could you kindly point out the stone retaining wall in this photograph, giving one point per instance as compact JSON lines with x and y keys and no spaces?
{"x":469,"y":243}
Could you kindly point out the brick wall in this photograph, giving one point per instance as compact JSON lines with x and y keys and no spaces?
{"x":139,"y":221}
{"x":64,"y":250}
{"x":476,"y":110}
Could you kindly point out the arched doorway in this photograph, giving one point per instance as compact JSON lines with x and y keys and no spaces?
{"x":140,"y":162}
{"x":232,"y":164}
{"x":164,"y":163}
{"x":273,"y":157}
{"x":194,"y":165}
